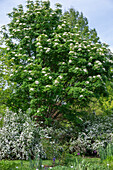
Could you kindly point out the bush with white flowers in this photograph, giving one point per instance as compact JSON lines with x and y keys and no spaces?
{"x":98,"y":131}
{"x":19,"y":137}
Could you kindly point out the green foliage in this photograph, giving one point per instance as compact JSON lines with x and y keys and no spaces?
{"x":106,"y":155}
{"x":107,"y":152}
{"x":106,"y":103}
{"x":54,"y":63}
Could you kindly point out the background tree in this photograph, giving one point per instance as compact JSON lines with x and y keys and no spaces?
{"x":4,"y":74}
{"x":54,"y":64}
{"x":103,"y":104}
{"x":75,"y":18}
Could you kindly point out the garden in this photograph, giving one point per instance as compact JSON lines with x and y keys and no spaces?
{"x":56,"y":92}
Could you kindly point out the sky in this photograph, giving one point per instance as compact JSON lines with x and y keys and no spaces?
{"x":98,"y":12}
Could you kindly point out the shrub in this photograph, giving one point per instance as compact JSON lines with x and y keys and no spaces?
{"x":98,"y":132}
{"x":19,"y":137}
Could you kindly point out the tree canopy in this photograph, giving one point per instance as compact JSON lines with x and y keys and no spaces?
{"x":56,"y":61}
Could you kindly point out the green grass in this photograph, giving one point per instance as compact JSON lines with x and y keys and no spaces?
{"x":22,"y":165}
{"x":77,"y":163}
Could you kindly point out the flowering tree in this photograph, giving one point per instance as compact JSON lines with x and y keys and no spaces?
{"x":53,"y":65}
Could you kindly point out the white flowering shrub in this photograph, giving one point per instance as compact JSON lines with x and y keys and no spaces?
{"x":98,"y":132}
{"x":19,"y":137}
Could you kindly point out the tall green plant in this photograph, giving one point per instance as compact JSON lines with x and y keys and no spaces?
{"x":106,"y":153}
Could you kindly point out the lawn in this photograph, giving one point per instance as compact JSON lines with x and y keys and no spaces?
{"x":77,"y":163}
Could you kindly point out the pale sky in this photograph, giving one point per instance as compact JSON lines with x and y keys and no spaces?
{"x":98,"y":12}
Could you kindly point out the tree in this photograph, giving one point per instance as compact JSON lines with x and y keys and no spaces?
{"x":75,"y":18}
{"x":54,"y":65}
{"x":4,"y":74}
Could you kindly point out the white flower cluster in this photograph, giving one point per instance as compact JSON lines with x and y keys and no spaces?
{"x":60,"y":77}
{"x":36,"y":82}
{"x":19,"y":137}
{"x":98,"y":62}
{"x":97,"y":134}
{"x":56,"y":81}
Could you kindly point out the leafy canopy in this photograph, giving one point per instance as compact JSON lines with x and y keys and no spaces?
{"x":55,"y":62}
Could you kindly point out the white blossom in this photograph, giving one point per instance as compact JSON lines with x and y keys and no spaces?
{"x":88,"y":45}
{"x":26,"y":36}
{"x":48,"y":40}
{"x":59,"y":27}
{"x":89,"y":64}
{"x":79,"y":49}
{"x":75,"y":56}
{"x":63,"y":24}
{"x":63,"y":62}
{"x":50,"y":77}
{"x":85,"y":70}
{"x":43,"y":72}
{"x":30,"y":78}
{"x":60,"y":77}
{"x":98,"y":62}
{"x":40,"y":46}
{"x":65,"y":33}
{"x":56,"y":81}
{"x":36,"y":82}
{"x":48,"y":86}
{"x":20,"y":66}
{"x":77,"y":34}
{"x":90,"y":77}
{"x":99,"y":76}
{"x":71,"y":52}
{"x":31,"y":89}
{"x":38,"y":43}
{"x":48,"y":49}
{"x":70,"y":61}
{"x":56,"y":44}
